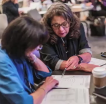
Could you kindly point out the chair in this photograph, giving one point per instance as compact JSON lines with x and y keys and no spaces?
{"x":3,"y":23}
{"x":34,"y":14}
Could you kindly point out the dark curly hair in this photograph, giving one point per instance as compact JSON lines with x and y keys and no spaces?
{"x":61,"y":9}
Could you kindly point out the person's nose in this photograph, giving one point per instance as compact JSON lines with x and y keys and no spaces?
{"x":61,"y":28}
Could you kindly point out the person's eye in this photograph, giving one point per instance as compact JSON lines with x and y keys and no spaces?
{"x":56,"y":25}
{"x":64,"y":24}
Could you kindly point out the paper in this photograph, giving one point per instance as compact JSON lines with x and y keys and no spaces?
{"x":25,"y":9}
{"x":67,"y":96}
{"x":73,"y":81}
{"x":96,"y":61}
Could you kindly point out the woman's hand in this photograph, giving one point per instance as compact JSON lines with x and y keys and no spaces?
{"x":30,"y":56}
{"x":50,"y":83}
{"x":86,"y":67}
{"x":88,"y":4}
{"x":20,"y":12}
{"x":72,"y":62}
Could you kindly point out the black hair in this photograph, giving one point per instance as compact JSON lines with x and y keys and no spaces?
{"x":21,"y":34}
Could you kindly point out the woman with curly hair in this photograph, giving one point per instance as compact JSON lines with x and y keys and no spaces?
{"x":67,"y":46}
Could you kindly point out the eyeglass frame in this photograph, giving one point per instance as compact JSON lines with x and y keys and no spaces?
{"x":61,"y":25}
{"x":39,"y":47}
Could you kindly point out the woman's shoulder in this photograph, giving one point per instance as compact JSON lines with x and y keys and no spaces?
{"x":48,"y":45}
{"x":3,"y":56}
{"x":8,"y":3}
{"x":5,"y":61}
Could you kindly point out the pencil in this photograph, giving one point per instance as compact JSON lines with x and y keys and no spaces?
{"x":64,"y":72}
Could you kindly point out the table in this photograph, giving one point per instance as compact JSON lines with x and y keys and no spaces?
{"x":93,"y":99}
{"x":80,"y":8}
{"x":75,"y":8}
{"x":33,"y":5}
{"x":27,"y":9}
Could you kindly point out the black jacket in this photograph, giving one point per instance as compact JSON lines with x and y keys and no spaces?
{"x":51,"y":54}
{"x":11,"y":10}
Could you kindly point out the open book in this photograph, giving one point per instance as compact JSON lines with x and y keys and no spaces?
{"x":73,"y":90}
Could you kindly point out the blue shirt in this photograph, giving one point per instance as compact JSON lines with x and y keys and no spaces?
{"x":12,"y":90}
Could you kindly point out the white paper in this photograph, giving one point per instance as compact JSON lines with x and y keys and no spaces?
{"x":99,"y":62}
{"x":73,"y":81}
{"x":67,"y":96}
{"x":24,"y":9}
{"x":42,"y":12}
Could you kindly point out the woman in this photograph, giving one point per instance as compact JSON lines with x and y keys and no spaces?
{"x":19,"y":67}
{"x":67,"y":46}
{"x":94,"y":12}
{"x":10,"y":8}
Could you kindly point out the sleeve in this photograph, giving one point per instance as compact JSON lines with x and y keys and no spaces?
{"x":41,"y":74}
{"x":16,"y":5}
{"x":83,"y":43}
{"x":49,"y":56}
{"x":11,"y":87}
{"x":13,"y":9}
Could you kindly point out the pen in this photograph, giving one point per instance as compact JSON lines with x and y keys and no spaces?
{"x":64,"y":72}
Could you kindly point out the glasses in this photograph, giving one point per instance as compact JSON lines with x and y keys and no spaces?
{"x":64,"y":25}
{"x":39,"y":47}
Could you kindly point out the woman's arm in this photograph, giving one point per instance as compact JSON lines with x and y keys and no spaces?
{"x":84,"y":49}
{"x":46,"y":87}
{"x":15,"y":93}
{"x":86,"y":67}
{"x":37,"y":63}
{"x":86,"y":57}
{"x":73,"y":61}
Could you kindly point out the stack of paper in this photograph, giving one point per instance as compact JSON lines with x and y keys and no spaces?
{"x":76,"y":92}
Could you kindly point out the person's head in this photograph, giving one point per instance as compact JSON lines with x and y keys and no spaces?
{"x":22,"y":35}
{"x":13,"y":0}
{"x":60,"y":21}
